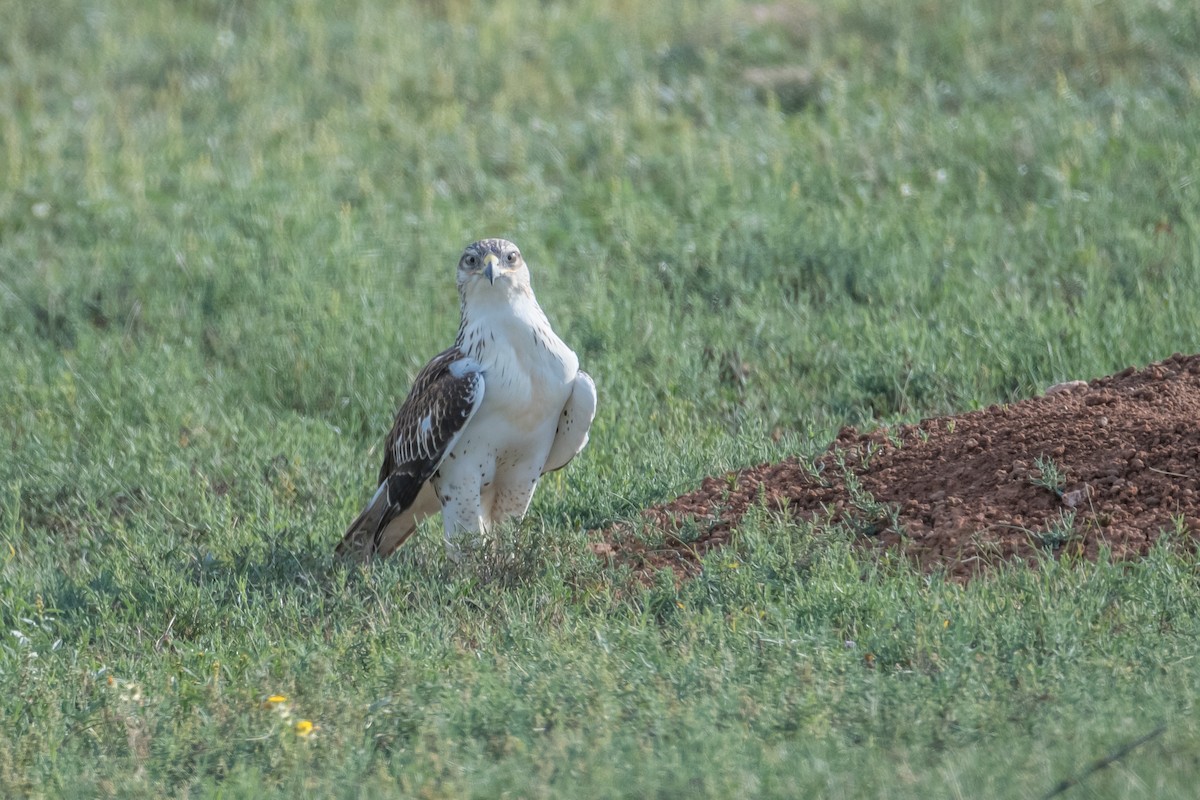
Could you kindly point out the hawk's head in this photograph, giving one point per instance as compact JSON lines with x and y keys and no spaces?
{"x":492,"y":266}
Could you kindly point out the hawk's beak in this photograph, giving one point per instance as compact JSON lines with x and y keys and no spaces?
{"x":490,"y":262}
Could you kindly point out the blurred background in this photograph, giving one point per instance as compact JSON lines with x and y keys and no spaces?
{"x":228,"y":231}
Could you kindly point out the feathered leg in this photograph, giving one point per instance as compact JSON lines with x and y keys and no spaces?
{"x":462,"y":514}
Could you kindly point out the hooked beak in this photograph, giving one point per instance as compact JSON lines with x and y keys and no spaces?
{"x":490,"y":262}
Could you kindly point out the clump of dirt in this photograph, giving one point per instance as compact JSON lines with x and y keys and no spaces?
{"x":1111,"y":462}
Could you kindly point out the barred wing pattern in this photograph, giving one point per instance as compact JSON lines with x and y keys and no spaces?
{"x":443,"y":398}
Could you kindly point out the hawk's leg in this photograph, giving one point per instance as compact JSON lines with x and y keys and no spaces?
{"x":513,"y":493}
{"x":462,"y":513}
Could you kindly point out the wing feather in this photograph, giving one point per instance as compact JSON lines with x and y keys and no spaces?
{"x":444,"y":397}
{"x":573,"y":423}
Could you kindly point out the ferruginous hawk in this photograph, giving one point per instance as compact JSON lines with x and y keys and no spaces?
{"x":484,"y":420}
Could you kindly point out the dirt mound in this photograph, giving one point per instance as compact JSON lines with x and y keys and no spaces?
{"x":1114,"y":462}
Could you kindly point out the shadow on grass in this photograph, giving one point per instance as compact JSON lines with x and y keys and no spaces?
{"x":189,"y":592}
{"x":194,"y":585}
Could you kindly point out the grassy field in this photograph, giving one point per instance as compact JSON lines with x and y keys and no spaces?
{"x":227,"y":240}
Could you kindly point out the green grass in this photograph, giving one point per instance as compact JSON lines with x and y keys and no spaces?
{"x":227,"y":241}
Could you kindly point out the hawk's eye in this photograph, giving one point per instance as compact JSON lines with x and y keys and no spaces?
{"x":471,"y":260}
{"x":511,"y":257}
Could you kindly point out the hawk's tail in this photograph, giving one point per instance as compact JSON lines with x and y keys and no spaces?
{"x":381,"y":527}
{"x":361,"y":539}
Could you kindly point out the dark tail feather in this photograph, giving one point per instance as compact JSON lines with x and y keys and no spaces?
{"x":389,"y":518}
{"x":361,"y":539}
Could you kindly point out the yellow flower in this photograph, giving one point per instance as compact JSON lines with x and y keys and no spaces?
{"x":274,"y":701}
{"x":304,"y":727}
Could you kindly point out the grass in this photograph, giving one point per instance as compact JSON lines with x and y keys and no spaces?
{"x":227,"y":238}
{"x":1050,"y":476}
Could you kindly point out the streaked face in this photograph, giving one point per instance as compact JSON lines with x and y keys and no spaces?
{"x":489,"y":261}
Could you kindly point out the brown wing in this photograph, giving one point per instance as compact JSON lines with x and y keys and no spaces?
{"x":443,"y":398}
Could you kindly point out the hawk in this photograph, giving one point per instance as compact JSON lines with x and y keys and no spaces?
{"x":484,"y":420}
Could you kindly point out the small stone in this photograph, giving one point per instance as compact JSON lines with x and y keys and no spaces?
{"x":1076,"y":497}
{"x":1068,"y":387}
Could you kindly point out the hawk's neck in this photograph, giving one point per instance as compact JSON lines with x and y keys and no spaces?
{"x":517,"y":317}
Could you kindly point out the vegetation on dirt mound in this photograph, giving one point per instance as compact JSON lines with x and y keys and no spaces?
{"x":1108,"y":465}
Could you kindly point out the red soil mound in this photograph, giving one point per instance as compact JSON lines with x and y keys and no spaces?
{"x":964,"y":492}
